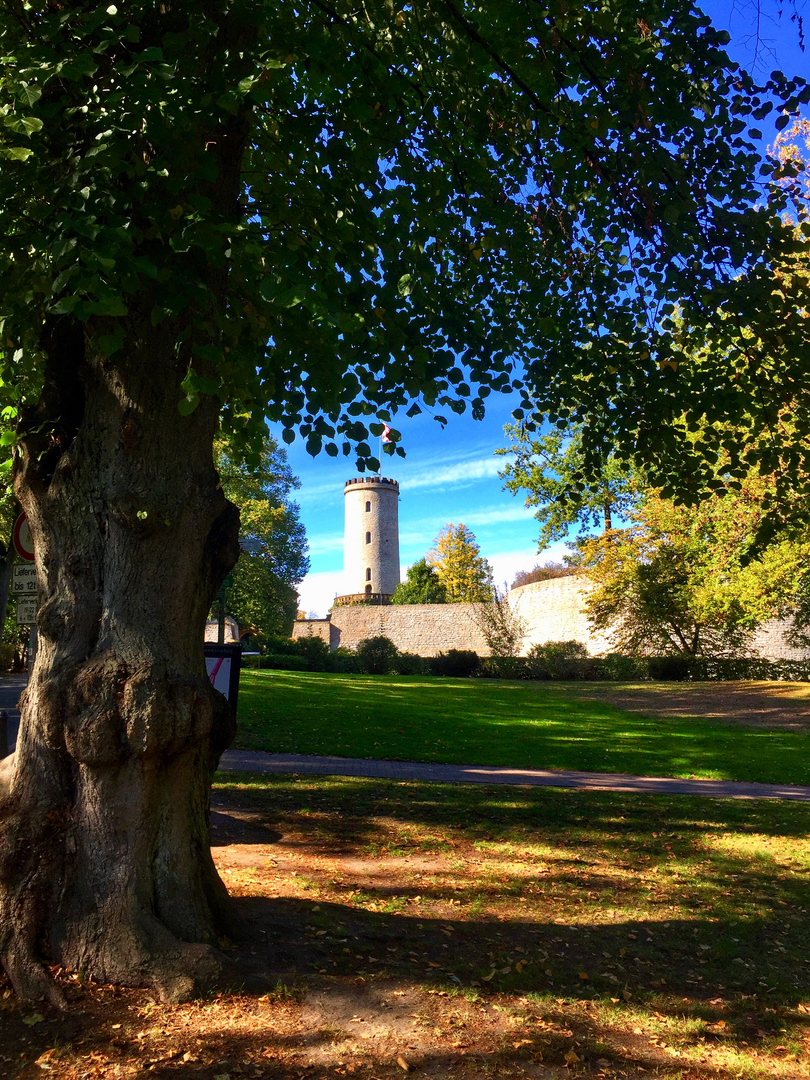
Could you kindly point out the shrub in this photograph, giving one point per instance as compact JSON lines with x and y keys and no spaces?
{"x":544,"y":573}
{"x":281,"y":646}
{"x":344,"y":661}
{"x":617,"y":667}
{"x":314,"y":651}
{"x":455,"y":663}
{"x":411,"y":664}
{"x":557,"y":660}
{"x":377,"y":655}
{"x":505,"y":667}
{"x":282,"y":662}
{"x":674,"y":668}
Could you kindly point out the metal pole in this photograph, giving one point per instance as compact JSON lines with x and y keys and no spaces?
{"x":32,"y":647}
{"x":3,"y":733}
{"x":221,"y":621}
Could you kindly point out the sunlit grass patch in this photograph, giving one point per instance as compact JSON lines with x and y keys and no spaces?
{"x":513,"y":724}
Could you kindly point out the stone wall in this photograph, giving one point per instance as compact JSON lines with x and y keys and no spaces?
{"x":320,"y":628}
{"x":425,"y":629}
{"x":553,"y":611}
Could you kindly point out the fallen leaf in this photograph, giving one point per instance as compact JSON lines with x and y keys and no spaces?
{"x":584,"y":976}
{"x":486,"y":978}
{"x":602,"y":1062}
{"x":626,"y":994}
{"x":34,"y":1018}
{"x":571,"y":1058}
{"x":403,"y":1064}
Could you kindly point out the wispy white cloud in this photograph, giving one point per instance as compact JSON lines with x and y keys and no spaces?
{"x":325,"y":544}
{"x":454,"y":473}
{"x":506,"y":564}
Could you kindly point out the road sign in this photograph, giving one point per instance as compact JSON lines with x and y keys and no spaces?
{"x":24,"y":580}
{"x":21,"y":538}
{"x":26,"y":610}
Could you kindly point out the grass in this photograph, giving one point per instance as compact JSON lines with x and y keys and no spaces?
{"x":491,"y":722}
{"x":642,"y":932}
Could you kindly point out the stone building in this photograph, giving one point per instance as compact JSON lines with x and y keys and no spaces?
{"x":370,"y":540}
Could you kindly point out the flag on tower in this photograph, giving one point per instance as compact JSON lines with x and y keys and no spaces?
{"x":386,"y":431}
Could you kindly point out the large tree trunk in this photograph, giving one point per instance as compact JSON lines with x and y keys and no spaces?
{"x":105,"y":865}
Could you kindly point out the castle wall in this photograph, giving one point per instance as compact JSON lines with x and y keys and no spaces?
{"x":552,"y":610}
{"x":371,"y":536}
{"x":425,"y":629}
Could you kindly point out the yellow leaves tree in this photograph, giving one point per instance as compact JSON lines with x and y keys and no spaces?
{"x":460,"y":566}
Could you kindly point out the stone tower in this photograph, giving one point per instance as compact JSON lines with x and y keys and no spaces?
{"x":371,"y":538}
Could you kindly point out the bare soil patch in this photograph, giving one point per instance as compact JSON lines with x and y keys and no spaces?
{"x":398,"y":929}
{"x":782,"y":705}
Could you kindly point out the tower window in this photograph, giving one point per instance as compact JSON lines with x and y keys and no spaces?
{"x":368,"y":538}
{"x":368,"y":507}
{"x":368,"y":573}
{"x":368,"y":590}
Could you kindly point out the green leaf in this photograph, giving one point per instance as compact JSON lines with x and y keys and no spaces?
{"x":15,"y":153}
{"x":23,"y":125}
{"x":405,"y":285}
{"x":187,"y":405}
{"x":110,"y":305}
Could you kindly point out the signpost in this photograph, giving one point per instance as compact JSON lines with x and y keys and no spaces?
{"x":24,"y":583}
{"x":24,"y":580}
{"x":21,"y":538}
{"x":27,"y":609}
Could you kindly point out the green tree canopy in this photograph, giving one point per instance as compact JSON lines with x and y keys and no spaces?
{"x":263,"y":592}
{"x":214,"y":215}
{"x":551,"y":470}
{"x":422,"y":585}
{"x":460,"y":567}
{"x":681,"y":579}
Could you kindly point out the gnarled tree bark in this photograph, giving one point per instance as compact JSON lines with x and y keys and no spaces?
{"x":105,"y":864}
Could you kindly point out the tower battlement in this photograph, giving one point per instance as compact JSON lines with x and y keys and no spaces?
{"x":371,"y":480}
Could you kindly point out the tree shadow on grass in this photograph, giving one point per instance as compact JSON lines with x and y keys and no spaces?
{"x":679,"y":892}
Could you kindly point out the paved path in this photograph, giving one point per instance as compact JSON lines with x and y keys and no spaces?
{"x":255,"y":761}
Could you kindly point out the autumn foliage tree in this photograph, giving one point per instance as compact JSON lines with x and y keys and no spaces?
{"x":222,"y":213}
{"x":683,"y":579}
{"x":460,"y":567}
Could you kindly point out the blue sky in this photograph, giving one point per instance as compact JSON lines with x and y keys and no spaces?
{"x":451,"y":474}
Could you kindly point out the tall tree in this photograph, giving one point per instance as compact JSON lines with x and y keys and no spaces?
{"x":550,"y":469}
{"x":684,"y":579}
{"x":422,"y":585}
{"x":217,"y":214}
{"x":263,"y":592}
{"x":460,"y":567}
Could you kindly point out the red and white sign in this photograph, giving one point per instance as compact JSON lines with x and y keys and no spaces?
{"x":21,"y":538}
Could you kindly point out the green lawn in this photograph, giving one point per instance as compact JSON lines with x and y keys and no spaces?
{"x":490,"y":722}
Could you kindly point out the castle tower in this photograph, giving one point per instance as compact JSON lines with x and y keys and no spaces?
{"x":371,"y":538}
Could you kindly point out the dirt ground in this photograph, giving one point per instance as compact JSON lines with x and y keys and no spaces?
{"x":378,"y":944}
{"x":759,"y":704}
